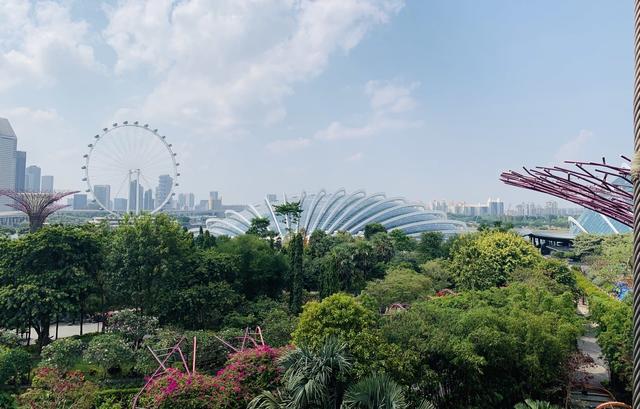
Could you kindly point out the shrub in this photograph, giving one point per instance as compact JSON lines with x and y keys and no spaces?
{"x":53,"y":389}
{"x":109,"y":352}
{"x":344,"y":317}
{"x":115,"y":398}
{"x":132,"y":326}
{"x":7,"y":401}
{"x":9,"y":339}
{"x":483,"y":260}
{"x":247,"y":373}
{"x":400,"y":285}
{"x":15,"y":365}
{"x":277,"y":327}
{"x":62,"y":354}
{"x":211,"y":353}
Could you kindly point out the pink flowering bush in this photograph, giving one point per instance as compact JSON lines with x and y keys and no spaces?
{"x":54,"y":389}
{"x":246,"y":374}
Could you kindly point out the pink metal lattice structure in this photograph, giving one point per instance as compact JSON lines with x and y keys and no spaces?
{"x":599,"y":186}
{"x":162,"y":356}
{"x":250,"y":338}
{"x":36,"y":205}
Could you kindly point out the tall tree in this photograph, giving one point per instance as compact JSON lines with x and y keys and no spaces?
{"x":148,"y":259}
{"x":47,"y":273}
{"x":291,"y":211}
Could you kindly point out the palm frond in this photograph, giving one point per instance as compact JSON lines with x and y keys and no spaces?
{"x":377,"y":391}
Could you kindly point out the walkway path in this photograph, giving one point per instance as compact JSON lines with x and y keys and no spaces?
{"x":594,"y":375}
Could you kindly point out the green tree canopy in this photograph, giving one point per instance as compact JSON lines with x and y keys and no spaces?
{"x":486,"y":259}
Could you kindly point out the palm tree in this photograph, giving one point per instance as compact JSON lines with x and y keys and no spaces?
{"x":377,"y":391}
{"x":311,"y":379}
{"x":318,"y":380}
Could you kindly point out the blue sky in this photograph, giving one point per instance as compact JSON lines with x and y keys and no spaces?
{"x":424,"y":99}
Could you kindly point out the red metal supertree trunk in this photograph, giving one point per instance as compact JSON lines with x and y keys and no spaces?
{"x":36,"y":205}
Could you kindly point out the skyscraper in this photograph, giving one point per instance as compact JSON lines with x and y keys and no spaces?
{"x":79,"y":201}
{"x":120,"y":204}
{"x":21,"y":167}
{"x":165,"y":183}
{"x":103,"y":195}
{"x":47,"y":184}
{"x":148,"y":200}
{"x":8,"y":145}
{"x":191,"y":201}
{"x":215,"y":201}
{"x":182,"y":201}
{"x":32,"y":179}
{"x":136,"y":198}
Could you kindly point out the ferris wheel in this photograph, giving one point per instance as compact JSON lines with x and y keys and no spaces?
{"x":130,"y":168}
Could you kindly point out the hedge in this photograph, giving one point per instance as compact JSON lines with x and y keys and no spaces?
{"x":123,"y":396}
{"x":615,"y":330}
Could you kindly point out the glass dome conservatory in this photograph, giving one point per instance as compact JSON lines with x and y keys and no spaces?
{"x":340,"y":211}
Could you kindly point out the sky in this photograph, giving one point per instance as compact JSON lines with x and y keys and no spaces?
{"x":426,"y":99}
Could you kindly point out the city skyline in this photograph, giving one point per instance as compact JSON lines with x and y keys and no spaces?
{"x":392,"y":83}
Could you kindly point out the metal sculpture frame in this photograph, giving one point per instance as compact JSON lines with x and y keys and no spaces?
{"x":38,"y":206}
{"x":254,"y":337}
{"x":153,"y":132}
{"x":599,"y":186}
{"x":162,"y":353}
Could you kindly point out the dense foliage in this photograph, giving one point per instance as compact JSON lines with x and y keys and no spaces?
{"x":480,"y":320}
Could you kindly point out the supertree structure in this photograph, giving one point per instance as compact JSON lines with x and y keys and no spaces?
{"x":36,"y":205}
{"x":599,"y":186}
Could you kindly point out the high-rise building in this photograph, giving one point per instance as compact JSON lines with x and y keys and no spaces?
{"x":120,"y":204}
{"x":79,"y":201}
{"x":191,"y":201}
{"x":133,"y":198}
{"x":495,"y":207}
{"x":8,"y":145}
{"x":215,"y":201}
{"x":103,"y":195}
{"x":21,"y":167}
{"x":182,"y":201}
{"x":32,"y":178}
{"x":148,"y":200}
{"x":165,"y":183}
{"x":47,"y":184}
{"x":272,"y":197}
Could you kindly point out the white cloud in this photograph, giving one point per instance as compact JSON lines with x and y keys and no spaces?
{"x":390,"y":103}
{"x":220,"y":62}
{"x":391,"y":96}
{"x":574,"y":148}
{"x":37,"y":40}
{"x":389,"y":100}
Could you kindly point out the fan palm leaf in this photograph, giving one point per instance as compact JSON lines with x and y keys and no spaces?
{"x":377,"y":391}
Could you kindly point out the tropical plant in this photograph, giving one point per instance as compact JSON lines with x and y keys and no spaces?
{"x":312,"y":379}
{"x":52,"y":389}
{"x":535,"y":404}
{"x":62,"y":354}
{"x":109,"y":352}
{"x":374,"y":392}
{"x":15,"y":365}
{"x":132,"y":326}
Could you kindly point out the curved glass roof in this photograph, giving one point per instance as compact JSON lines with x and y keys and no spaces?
{"x":340,"y":211}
